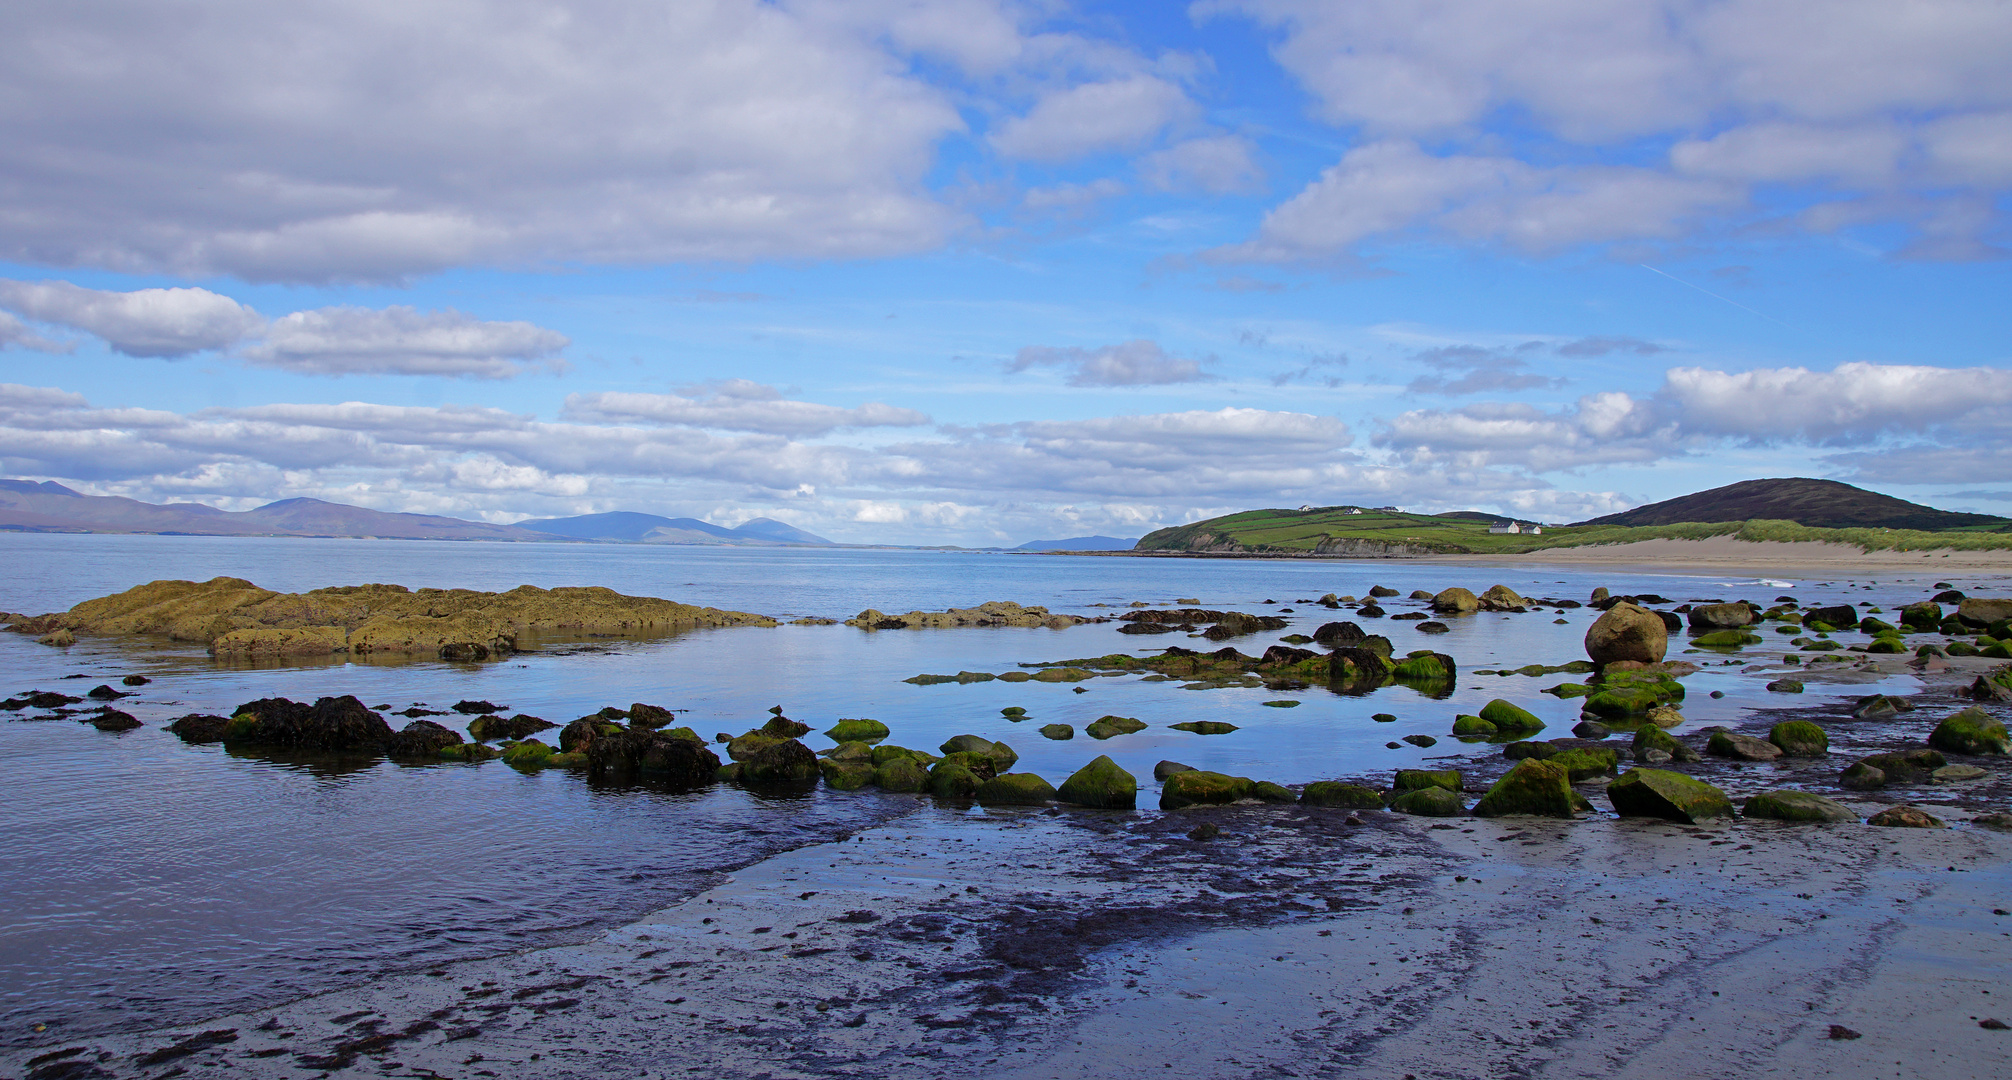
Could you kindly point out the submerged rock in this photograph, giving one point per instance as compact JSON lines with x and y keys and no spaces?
{"x":1100,"y":784}
{"x":110,"y":719}
{"x":1058,"y":732}
{"x":857,"y":730}
{"x":1168,"y":768}
{"x":687,"y":762}
{"x":1795,"y":806}
{"x":336,"y":724}
{"x":492,"y":727}
{"x":1204,"y":727}
{"x":1671,"y":796}
{"x":199,"y":727}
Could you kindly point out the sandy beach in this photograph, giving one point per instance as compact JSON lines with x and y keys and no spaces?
{"x":1727,"y":553}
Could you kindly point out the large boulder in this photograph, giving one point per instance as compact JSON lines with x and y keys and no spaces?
{"x":1800,"y":738}
{"x":765,"y":759}
{"x":1795,"y":806}
{"x":422,"y":739}
{"x":1533,"y":787}
{"x":1707,"y":617}
{"x":1015,"y":789}
{"x":901,"y":774}
{"x":686,"y":762}
{"x":1837,"y":616}
{"x":1671,"y":796}
{"x":1456,"y":601}
{"x":1627,"y":632}
{"x":333,"y":724}
{"x":1197,"y":787}
{"x":1101,"y":784}
{"x":1501,"y":598}
{"x":1509,"y":718}
{"x":1923,"y":617}
{"x":577,"y":736}
{"x":1972,"y":731}
{"x":1979,"y":611}
{"x":1429,"y":802}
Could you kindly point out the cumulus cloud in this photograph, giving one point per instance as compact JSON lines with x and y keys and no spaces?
{"x":737,"y":405}
{"x":1216,"y":164}
{"x":1852,"y":403}
{"x":13,"y":335}
{"x":1116,"y":114}
{"x":145,"y":322}
{"x":1826,"y":102}
{"x":404,"y":341}
{"x":1599,"y":429}
{"x":1140,"y":362}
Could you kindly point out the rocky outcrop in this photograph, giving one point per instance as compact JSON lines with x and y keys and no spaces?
{"x":1627,"y":632}
{"x":672,"y":758}
{"x":332,"y":724}
{"x":994,"y":613}
{"x":237,"y":620}
{"x":422,"y":739}
{"x":491,"y":727}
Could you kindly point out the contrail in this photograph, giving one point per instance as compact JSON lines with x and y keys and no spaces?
{"x":1716,"y":296}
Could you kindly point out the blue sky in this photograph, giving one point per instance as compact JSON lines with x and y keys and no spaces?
{"x":979,"y":271}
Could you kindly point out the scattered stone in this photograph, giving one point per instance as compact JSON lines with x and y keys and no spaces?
{"x":1341,"y":794}
{"x":136,"y":680}
{"x":1783,"y":686}
{"x":1108,"y":727}
{"x":1285,"y":703}
{"x":103,"y":692}
{"x":1800,"y":738}
{"x":1015,"y":789}
{"x":1958,"y":774}
{"x":1058,"y":732}
{"x":1532,"y":787}
{"x":1971,"y":731}
{"x":1728,"y":744}
{"x":1421,"y":740}
{"x":1383,"y":718}
{"x":1671,"y":796}
{"x":1906,"y":817}
{"x":1168,"y":768}
{"x":110,"y":719}
{"x":1101,"y":784}
{"x":1429,"y":802}
{"x":1203,"y":727}
{"x":1795,"y":806}
{"x":476,"y":708}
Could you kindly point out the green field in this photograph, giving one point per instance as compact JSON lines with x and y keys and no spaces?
{"x":1301,"y":532}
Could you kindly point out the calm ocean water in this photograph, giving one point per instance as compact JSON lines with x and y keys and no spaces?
{"x":149,"y":882}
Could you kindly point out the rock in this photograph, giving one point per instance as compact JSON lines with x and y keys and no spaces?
{"x":1058,"y":732}
{"x":1664,"y":716}
{"x":104,"y":692}
{"x":1517,"y":751}
{"x":1839,"y":615}
{"x":1591,"y":729}
{"x":782,"y":727}
{"x":476,"y":708}
{"x":1994,"y":822}
{"x":1369,"y":611}
{"x":1880,"y":707}
{"x":492,"y":727}
{"x":1432,"y":626}
{"x":1971,"y":731}
{"x":1924,"y":616}
{"x":1268,"y":792}
{"x":1627,"y":632}
{"x":1424,"y":666}
{"x":1472,"y":727}
{"x":1456,"y":601}
{"x":199,"y":727}
{"x":110,"y":719}
{"x":1957,"y":774}
{"x":422,"y":739}
{"x":577,"y":736}
{"x":1795,"y":806}
{"x":966,"y":744}
{"x":1727,"y":744}
{"x":1508,"y":717}
{"x":1671,"y":796}
{"x":1336,"y":634}
{"x":1101,"y":784}
{"x":1985,"y":689}
{"x":1339,"y":794}
{"x":1429,"y":802}
{"x":1015,"y":789}
{"x":1799,"y":738}
{"x":472,"y":753}
{"x":950,"y":779}
{"x":1010,"y":712}
{"x":338,"y":724}
{"x":1654,"y":739}
{"x":1204,"y":727}
{"x":1706,"y":617}
{"x":1532,"y":787}
{"x":1726,"y":639}
{"x":847,"y":775}
{"x":1413,"y":779}
{"x":1384,"y":717}
{"x":1379,"y":591}
{"x":901,"y":774}
{"x":644,"y":717}
{"x":1168,"y":768}
{"x":59,"y":638}
{"x":764,"y":759}
{"x":1786,"y":686}
{"x":843,"y":752}
{"x":1860,"y":776}
{"x":1585,"y":763}
{"x":994,"y":613}
{"x":1978,"y":611}
{"x":1905,"y":817}
{"x":687,"y":762}
{"x":1501,"y":598}
{"x":1282,"y":703}
{"x":529,"y":754}
{"x":1196,"y":787}
{"x":1106,"y":727}
{"x":136,"y":680}
{"x":1421,"y":740}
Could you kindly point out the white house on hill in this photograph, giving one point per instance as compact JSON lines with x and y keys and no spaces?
{"x":1515,"y":527}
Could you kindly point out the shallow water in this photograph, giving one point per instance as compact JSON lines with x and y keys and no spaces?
{"x":152,"y":883}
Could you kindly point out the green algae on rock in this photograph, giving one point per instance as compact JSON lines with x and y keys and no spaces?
{"x":1058,"y":732}
{"x":1429,"y":802}
{"x":1266,"y":791}
{"x":1533,"y":787}
{"x":849,"y":775}
{"x":1650,"y":738}
{"x":901,"y":774}
{"x":1472,"y":727}
{"x":1199,"y":787}
{"x":1413,"y":779}
{"x":1100,"y":784}
{"x":1110,"y":727}
{"x":1509,"y":718}
{"x":1792,"y":805}
{"x":1341,"y":794}
{"x":1586,"y":762}
{"x":1800,"y":738}
{"x":1971,"y":731}
{"x":993,"y":613}
{"x":1672,"y":796}
{"x":1203,"y":727}
{"x":1015,"y":789}
{"x":857,"y":730}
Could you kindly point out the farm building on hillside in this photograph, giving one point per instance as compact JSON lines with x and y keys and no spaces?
{"x":1501,"y":527}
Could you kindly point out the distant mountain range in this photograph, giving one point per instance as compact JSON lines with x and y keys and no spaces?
{"x":1080,"y":543}
{"x":28,"y":506}
{"x":1819,"y":504}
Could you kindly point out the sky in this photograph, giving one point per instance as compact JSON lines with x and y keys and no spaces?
{"x":986,"y":271}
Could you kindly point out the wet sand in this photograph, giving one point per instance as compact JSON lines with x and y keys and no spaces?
{"x":1727,"y":553}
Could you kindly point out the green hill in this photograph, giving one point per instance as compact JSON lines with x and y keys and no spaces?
{"x":1823,"y":504}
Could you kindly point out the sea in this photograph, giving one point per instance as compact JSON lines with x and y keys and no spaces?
{"x":151,"y":883}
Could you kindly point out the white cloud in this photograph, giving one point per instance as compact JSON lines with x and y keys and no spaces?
{"x":1481,"y":371}
{"x":1794,"y":152}
{"x":403,"y":341}
{"x":328,"y":141}
{"x":1072,"y":197}
{"x":1133,"y":363}
{"x":145,"y":322}
{"x":1599,"y":429}
{"x":1853,"y":403}
{"x":13,"y":335}
{"x":1216,"y":164}
{"x":737,"y":405}
{"x":1118,"y":114}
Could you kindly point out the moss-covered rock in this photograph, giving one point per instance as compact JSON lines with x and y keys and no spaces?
{"x":469,"y":752}
{"x":952,"y":778}
{"x":1509,"y":718}
{"x":1429,"y":802}
{"x":847,"y":775}
{"x":1427,"y":668}
{"x":1886,"y":644}
{"x":958,"y":744}
{"x":1456,"y":601}
{"x":1532,"y":787}
{"x":529,"y":754}
{"x":1655,"y":738}
{"x":1517,"y":751}
{"x":1907,"y":766}
{"x":1586,"y":762}
{"x":1266,"y":791}
{"x":1472,"y":727}
{"x":1795,"y":806}
{"x":1199,"y":787}
{"x":1058,"y":732}
{"x":1726,"y":639}
{"x":1971,"y":731}
{"x":1413,"y":779}
{"x":886,"y":752}
{"x":1015,"y":789}
{"x":857,"y":730}
{"x":765,"y":760}
{"x":1672,"y":796}
{"x":1339,"y":794}
{"x":491,"y":727}
{"x":1737,"y":747}
{"x":1859,"y":776}
{"x":1109,"y":727}
{"x":1100,"y":784}
{"x":901,"y":774}
{"x":849,"y":751}
{"x":567,"y":761}
{"x":1013,"y":712}
{"x":1204,"y":727}
{"x":1799,"y":738}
